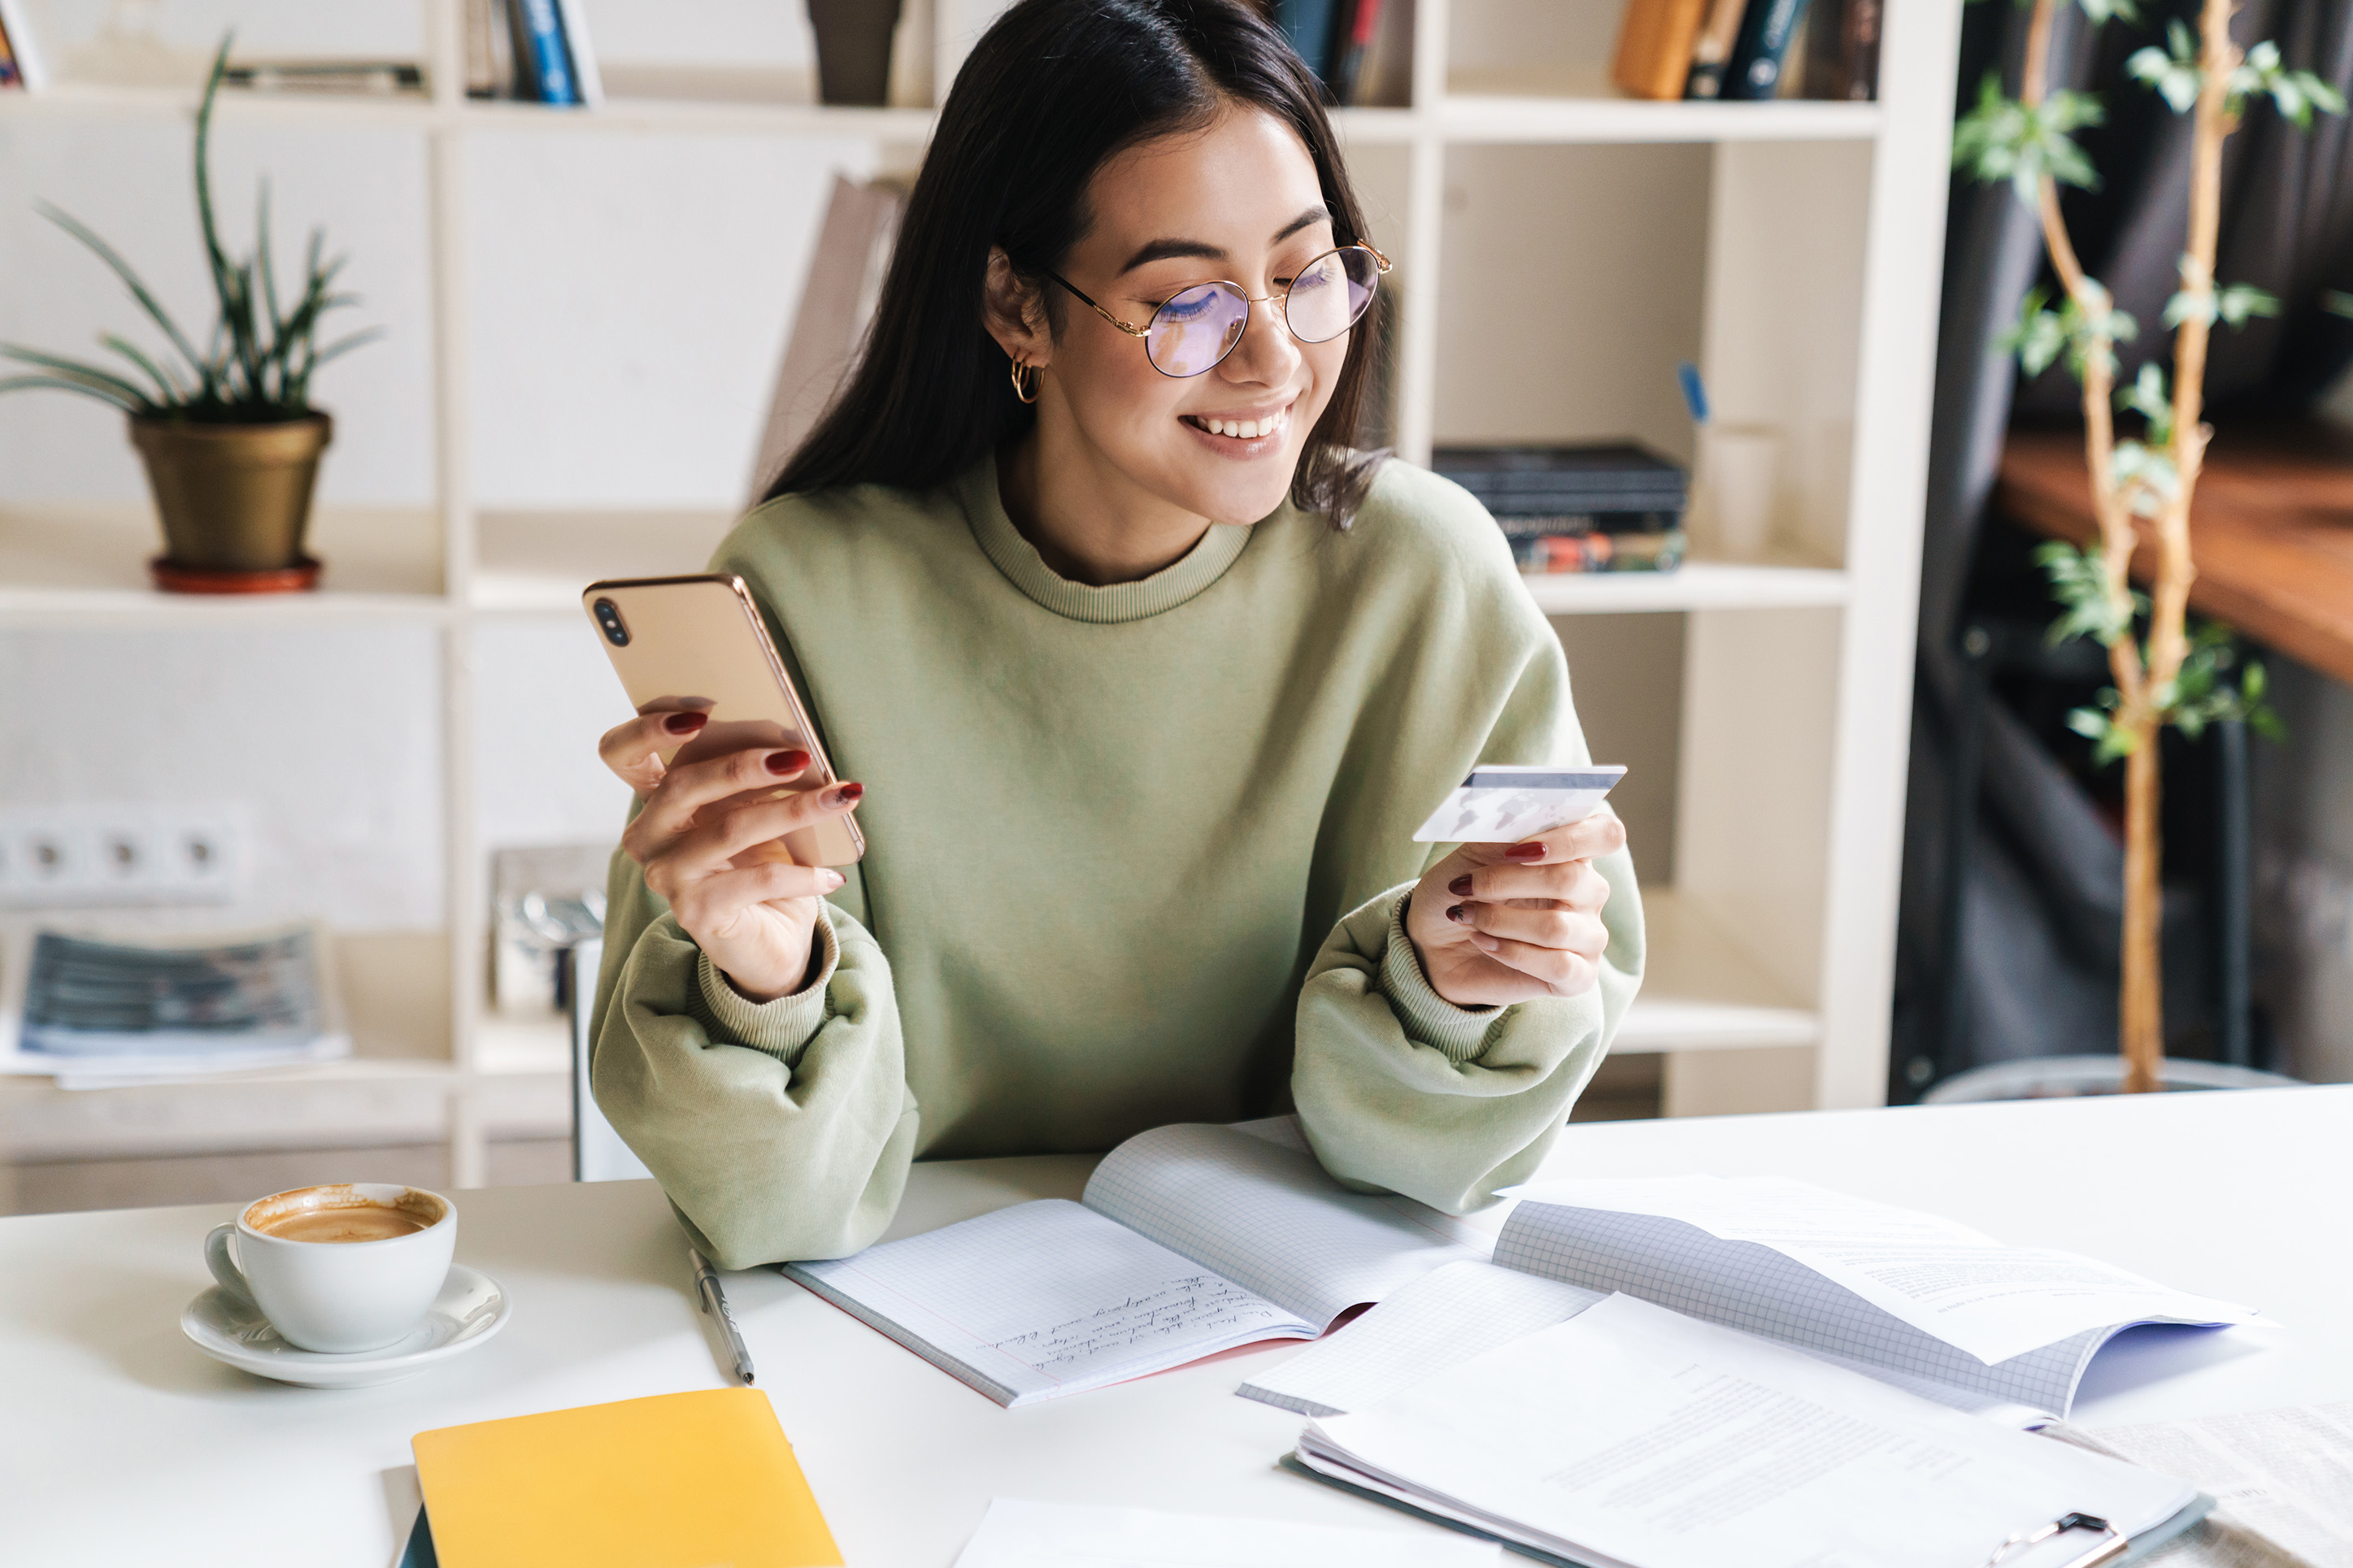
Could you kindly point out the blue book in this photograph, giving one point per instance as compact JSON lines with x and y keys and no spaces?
{"x":1754,"y":71}
{"x":1308,"y":25}
{"x":549,"y":63}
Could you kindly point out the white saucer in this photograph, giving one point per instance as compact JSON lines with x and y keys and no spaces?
{"x":468,"y":1311}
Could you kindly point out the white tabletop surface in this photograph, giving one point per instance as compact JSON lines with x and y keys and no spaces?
{"x":119,"y":1443}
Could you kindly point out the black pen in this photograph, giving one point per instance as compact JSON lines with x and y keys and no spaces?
{"x":715,"y":1303}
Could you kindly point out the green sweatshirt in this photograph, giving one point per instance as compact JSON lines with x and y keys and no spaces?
{"x":1135,"y":855}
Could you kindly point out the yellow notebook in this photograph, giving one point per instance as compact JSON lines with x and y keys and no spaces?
{"x":679,"y":1480}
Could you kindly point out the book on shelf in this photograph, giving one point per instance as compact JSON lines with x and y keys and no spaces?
{"x":1355,"y":25}
{"x":22,"y":68}
{"x":490,"y":50}
{"x":587,"y":81}
{"x":1594,"y":507}
{"x":1719,"y":30}
{"x":1842,"y":50}
{"x":1544,"y":554}
{"x":1767,"y":29}
{"x":1655,"y":38}
{"x":1307,"y":24}
{"x":838,"y":301}
{"x":1598,"y":475}
{"x":534,"y":50}
{"x":111,"y":1004}
{"x":339,"y":77}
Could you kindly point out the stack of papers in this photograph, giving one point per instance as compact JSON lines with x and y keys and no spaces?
{"x":1631,"y":1436}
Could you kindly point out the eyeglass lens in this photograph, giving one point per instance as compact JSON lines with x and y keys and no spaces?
{"x":1194,"y":329}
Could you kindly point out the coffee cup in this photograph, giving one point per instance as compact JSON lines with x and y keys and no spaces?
{"x":339,"y":1268}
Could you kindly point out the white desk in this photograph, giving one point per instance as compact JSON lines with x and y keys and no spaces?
{"x":119,"y":1444}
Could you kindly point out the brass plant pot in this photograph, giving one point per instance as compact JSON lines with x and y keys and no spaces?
{"x":235,"y":500}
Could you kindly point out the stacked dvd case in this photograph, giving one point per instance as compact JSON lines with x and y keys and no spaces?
{"x":1601,"y":507}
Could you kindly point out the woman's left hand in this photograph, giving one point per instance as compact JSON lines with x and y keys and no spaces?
{"x":1499,"y":923}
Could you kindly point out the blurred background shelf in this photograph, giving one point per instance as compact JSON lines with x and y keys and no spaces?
{"x":1694,"y":585}
{"x":538,"y":563}
{"x":1703,"y":991}
{"x":1500,"y":108}
{"x":68,"y":562}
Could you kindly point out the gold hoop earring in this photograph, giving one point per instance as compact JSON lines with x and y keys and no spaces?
{"x":1027,"y":390}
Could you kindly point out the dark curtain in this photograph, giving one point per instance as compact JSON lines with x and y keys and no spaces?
{"x":2042,"y":896}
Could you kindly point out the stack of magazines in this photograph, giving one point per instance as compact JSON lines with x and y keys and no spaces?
{"x":1612,"y":507}
{"x":99,"y":1008}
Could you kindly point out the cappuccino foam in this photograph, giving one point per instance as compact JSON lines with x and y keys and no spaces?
{"x":353,"y":1222}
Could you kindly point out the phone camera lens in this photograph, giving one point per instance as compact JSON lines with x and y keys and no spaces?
{"x":609,"y":617}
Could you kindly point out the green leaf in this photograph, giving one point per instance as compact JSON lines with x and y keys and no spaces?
{"x":2101,"y":11}
{"x":2174,"y":73}
{"x":2240,"y":300}
{"x":90,"y":375}
{"x":2038,"y":337}
{"x":2146,"y":475}
{"x":2294,"y":93}
{"x":2088,"y":722}
{"x":2147,"y":397}
{"x":2004,"y":138}
{"x":169,"y":389}
{"x":2079,"y":582}
{"x":128,"y":274}
{"x":60,"y":383}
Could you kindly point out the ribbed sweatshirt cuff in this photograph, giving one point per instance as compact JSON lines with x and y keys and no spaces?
{"x":1459,"y":1032}
{"x":781,"y":1027}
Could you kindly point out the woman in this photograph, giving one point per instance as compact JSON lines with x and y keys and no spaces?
{"x":1152,"y":681}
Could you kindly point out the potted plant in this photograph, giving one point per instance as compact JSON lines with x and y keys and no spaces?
{"x":2166,"y":673}
{"x":228,"y":436}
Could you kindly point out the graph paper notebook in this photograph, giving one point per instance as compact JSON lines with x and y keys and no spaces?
{"x":1920,"y":1302}
{"x":1190,"y":1240}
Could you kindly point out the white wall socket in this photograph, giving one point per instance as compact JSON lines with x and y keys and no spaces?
{"x":73,"y":857}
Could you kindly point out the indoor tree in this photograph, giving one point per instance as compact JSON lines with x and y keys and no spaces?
{"x":2141,"y":486}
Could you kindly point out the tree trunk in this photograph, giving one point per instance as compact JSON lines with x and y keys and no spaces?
{"x":2141,"y":1000}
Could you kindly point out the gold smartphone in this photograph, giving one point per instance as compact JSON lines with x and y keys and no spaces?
{"x":698,"y":644}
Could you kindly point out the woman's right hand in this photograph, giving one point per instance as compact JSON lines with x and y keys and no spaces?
{"x":754,"y":917}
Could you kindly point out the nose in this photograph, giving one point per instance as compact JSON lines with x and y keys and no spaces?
{"x":1268,"y":354}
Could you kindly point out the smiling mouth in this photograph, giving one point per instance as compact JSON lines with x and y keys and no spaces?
{"x":1241,"y":429}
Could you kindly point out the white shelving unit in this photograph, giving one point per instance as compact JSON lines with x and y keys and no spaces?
{"x":1804,"y":280}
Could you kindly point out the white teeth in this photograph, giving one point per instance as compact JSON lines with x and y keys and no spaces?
{"x":1248,"y":429}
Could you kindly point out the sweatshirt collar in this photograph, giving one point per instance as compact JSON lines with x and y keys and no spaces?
{"x":1018,"y":560}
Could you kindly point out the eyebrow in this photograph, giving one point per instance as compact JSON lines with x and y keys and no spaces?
{"x":1162,"y":250}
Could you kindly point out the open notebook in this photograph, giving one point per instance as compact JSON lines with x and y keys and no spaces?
{"x":1190,"y":1240}
{"x":1923,"y":1303}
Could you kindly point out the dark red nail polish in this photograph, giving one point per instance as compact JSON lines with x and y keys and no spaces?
{"x":685,"y":723}
{"x":1525,"y":852}
{"x":1461,"y":885}
{"x":847,"y":793}
{"x":1457,"y":915}
{"x":786,"y":763}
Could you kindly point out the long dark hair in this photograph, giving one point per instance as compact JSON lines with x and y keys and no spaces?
{"x":1052,"y":91}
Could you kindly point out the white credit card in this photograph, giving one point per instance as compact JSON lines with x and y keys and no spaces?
{"x":1505,"y":805}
